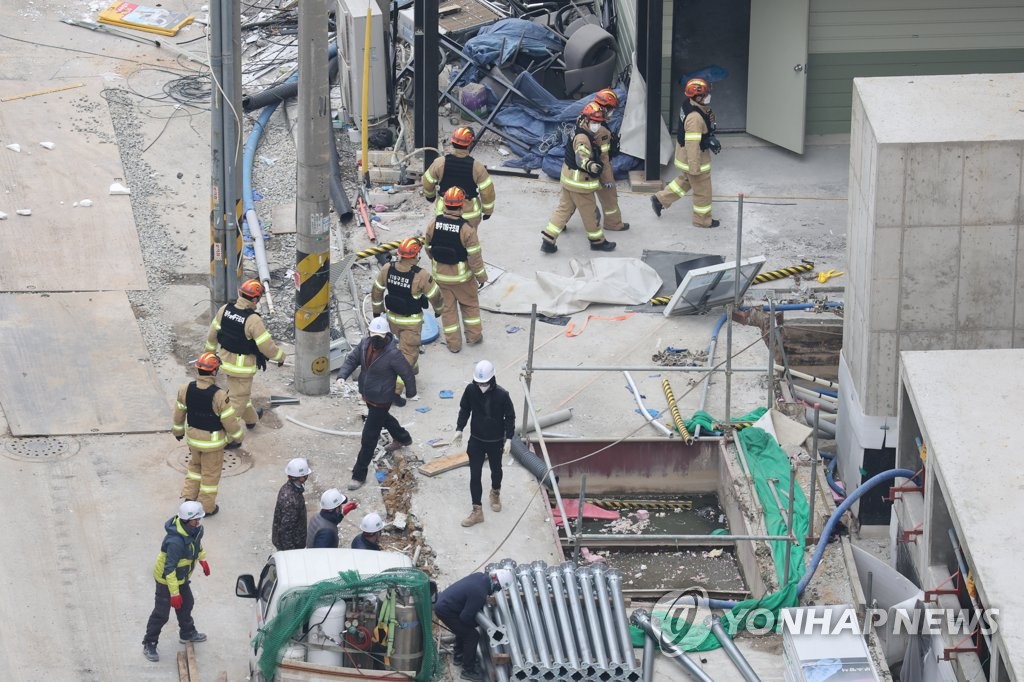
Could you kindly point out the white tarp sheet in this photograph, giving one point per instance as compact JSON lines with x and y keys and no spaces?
{"x":617,"y":281}
{"x":633,"y":131}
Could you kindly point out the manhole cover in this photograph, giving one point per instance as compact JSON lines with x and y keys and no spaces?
{"x":46,"y":449}
{"x":235,"y":461}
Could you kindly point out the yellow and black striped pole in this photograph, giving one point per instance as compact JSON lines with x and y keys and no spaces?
{"x":783,"y":273}
{"x":674,"y":409}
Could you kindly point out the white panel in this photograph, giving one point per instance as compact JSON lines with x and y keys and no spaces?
{"x":776,"y":85}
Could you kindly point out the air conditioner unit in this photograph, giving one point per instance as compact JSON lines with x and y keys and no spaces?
{"x":351,"y":19}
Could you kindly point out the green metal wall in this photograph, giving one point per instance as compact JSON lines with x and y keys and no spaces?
{"x":830,"y":77}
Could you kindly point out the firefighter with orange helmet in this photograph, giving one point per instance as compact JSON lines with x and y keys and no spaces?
{"x":404,"y":290}
{"x":205,"y":417}
{"x":694,"y":145}
{"x":581,"y":178}
{"x":459,"y":270}
{"x":459,"y":169}
{"x":608,"y":141}
{"x":241,"y":340}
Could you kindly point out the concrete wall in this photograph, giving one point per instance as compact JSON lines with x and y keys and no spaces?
{"x":935,"y":253}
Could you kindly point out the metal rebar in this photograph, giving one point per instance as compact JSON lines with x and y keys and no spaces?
{"x":547,"y":613}
{"x":814,"y":474}
{"x":621,"y":622}
{"x":771,"y":353}
{"x":730,"y":311}
{"x":576,"y":546}
{"x":635,"y":368}
{"x":642,"y":620}
{"x":572,"y":596}
{"x":592,"y":617}
{"x":536,"y":624}
{"x":610,"y":540}
{"x":733,"y":652}
{"x":789,"y":524}
{"x":554,"y":578}
{"x":604,"y":607}
{"x":528,"y":372}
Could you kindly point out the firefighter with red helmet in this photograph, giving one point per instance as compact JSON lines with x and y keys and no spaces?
{"x":404,"y":290}
{"x":205,"y":417}
{"x":243,"y":344}
{"x":459,"y":270}
{"x":608,"y":141}
{"x":695,"y":143}
{"x":459,"y":169}
{"x":581,"y":178}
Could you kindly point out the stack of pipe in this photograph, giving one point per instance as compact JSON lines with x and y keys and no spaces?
{"x":564,"y":622}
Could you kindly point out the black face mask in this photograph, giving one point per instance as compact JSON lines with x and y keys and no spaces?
{"x":377,"y":341}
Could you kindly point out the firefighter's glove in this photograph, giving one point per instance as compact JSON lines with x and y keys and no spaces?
{"x":429,"y":199}
{"x":607,"y":185}
{"x":713,"y":144}
{"x":487,"y":216}
{"x":206,"y":566}
{"x":178,"y":437}
{"x":176,"y":601}
{"x":480,"y":284}
{"x":457,"y":441}
{"x":349,"y":507}
{"x":595,"y":168}
{"x":280,"y":363}
{"x":261,"y":362}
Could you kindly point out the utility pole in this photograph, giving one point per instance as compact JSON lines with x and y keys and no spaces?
{"x":218,"y":261}
{"x":312,"y":218}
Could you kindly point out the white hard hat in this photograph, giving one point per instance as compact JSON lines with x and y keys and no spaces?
{"x":379,"y":326}
{"x":190,"y":509}
{"x":297,"y":468}
{"x":372,"y":523}
{"x":332,"y":499}
{"x":503,"y":577}
{"x":483,"y":372}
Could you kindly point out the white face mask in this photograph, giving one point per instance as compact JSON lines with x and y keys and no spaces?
{"x":707,"y":99}
{"x":594,"y":127}
{"x":484,"y":387}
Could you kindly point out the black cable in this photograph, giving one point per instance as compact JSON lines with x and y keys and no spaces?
{"x":72,"y":49}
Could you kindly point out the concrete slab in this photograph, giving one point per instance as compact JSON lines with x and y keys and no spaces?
{"x":985,"y":506}
{"x":104,"y":385}
{"x":60,"y":247}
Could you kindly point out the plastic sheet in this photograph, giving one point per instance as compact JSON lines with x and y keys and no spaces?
{"x":505,"y":40}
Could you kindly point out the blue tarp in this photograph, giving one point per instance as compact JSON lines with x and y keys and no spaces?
{"x":502,"y":41}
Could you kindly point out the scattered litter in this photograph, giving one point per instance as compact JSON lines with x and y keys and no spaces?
{"x":381,"y":208}
{"x":643,"y":514}
{"x":512,"y":329}
{"x":503,"y":151}
{"x":268,"y":161}
{"x":118,"y":189}
{"x":381,"y":475}
{"x":437,"y":442}
{"x":84,"y":203}
{"x":446,"y":394}
{"x":673,"y":349}
{"x":3,"y":216}
{"x":642,"y":396}
{"x":256,"y":196}
{"x":386,"y":188}
{"x":14,"y":147}
{"x":713,"y":553}
{"x":561,"y":320}
{"x":24,"y":211}
{"x":47,"y":145}
{"x":653,"y":376}
{"x":401,"y":519}
{"x":650,"y":410}
{"x":423,"y":409}
{"x":590,"y":557}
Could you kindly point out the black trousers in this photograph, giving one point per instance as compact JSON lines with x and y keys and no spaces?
{"x":479,"y":451}
{"x":377,"y":419}
{"x":466,"y":637}
{"x":162,"y":613}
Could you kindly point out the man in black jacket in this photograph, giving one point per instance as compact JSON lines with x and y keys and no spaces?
{"x":382,"y":362}
{"x":457,"y":607}
{"x":490,"y":434}
{"x":289,"y":528}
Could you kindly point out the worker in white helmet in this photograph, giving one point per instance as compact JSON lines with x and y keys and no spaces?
{"x":289,"y":529}
{"x":490,"y":435}
{"x":371,"y":525}
{"x":323,"y":528}
{"x":457,"y":608}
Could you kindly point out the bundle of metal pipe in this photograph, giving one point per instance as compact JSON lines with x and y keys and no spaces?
{"x":563,"y":622}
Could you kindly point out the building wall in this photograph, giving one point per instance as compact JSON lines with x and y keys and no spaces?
{"x":626,"y":11}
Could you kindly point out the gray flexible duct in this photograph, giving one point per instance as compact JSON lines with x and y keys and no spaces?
{"x":531,"y":462}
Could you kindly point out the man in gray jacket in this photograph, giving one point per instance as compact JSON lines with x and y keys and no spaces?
{"x":381,"y":364}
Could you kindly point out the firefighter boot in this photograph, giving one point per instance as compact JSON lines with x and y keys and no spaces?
{"x":475,"y":517}
{"x":656,"y":205}
{"x":603,"y":245}
{"x":548,"y":247}
{"x":496,"y":500}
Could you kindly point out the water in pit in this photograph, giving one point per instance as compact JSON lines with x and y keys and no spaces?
{"x":654,"y":570}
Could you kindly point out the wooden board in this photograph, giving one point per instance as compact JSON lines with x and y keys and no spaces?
{"x":75,"y":363}
{"x":282,"y":219}
{"x":182,"y":667}
{"x":193,"y":664}
{"x":443,"y":464}
{"x":60,"y":247}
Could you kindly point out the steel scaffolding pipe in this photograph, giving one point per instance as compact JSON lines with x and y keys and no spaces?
{"x":637,"y":368}
{"x":642,"y":620}
{"x":650,"y":648}
{"x":614,"y":579}
{"x":511,"y":630}
{"x":548,"y":614}
{"x":492,"y":629}
{"x":604,"y":607}
{"x":554,"y":577}
{"x":530,"y":597}
{"x":592,"y":617}
{"x":530,"y":657}
{"x":732,"y":651}
{"x":500,"y":669}
{"x":572,"y":596}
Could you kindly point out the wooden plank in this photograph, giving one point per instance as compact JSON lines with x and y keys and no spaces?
{"x":61,"y":247}
{"x":193,"y":664}
{"x":182,"y":667}
{"x":443,"y":464}
{"x":75,"y":391}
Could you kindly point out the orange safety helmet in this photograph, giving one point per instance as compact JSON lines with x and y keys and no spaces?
{"x":463,"y":137}
{"x":607,"y":98}
{"x":208,"y":362}
{"x":595,"y":112}
{"x":252,"y":289}
{"x":696,"y":88}
{"x":409,"y":248}
{"x":454,"y":197}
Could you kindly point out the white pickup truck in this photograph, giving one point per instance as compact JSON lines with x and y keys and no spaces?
{"x":375,"y":634}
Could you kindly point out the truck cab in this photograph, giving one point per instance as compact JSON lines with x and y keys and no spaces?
{"x":374,"y":635}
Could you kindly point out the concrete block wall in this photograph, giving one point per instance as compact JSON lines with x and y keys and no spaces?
{"x":935,"y":246}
